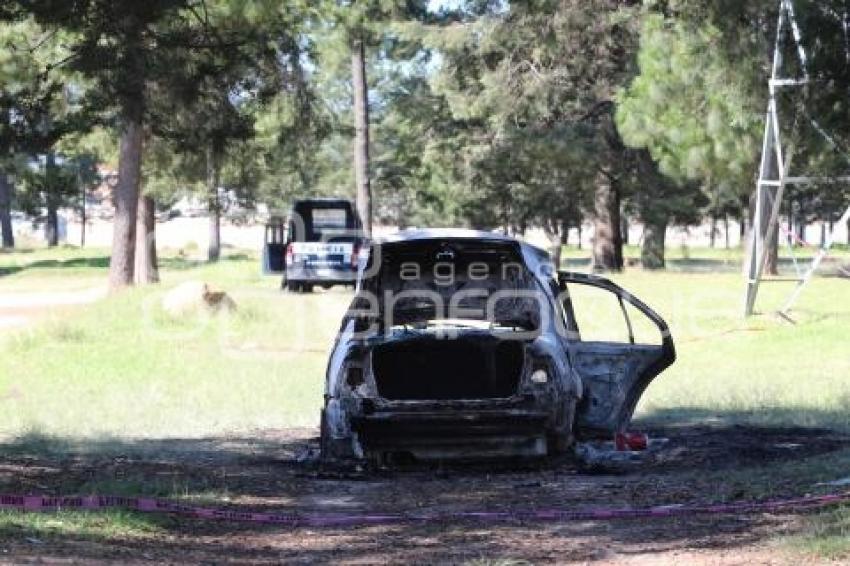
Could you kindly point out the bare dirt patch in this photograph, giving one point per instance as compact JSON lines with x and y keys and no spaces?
{"x":268,"y":472}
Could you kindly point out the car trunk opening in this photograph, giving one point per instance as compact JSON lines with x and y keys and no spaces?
{"x":466,"y":367}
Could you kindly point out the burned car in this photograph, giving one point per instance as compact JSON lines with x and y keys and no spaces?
{"x":462,"y":344}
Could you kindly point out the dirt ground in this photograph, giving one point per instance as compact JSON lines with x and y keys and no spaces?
{"x":270,"y":472}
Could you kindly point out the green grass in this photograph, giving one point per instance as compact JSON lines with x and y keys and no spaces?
{"x":40,"y":269}
{"x":122,"y":369}
{"x":38,"y":528}
{"x":826,"y":534}
{"x":763,"y":370}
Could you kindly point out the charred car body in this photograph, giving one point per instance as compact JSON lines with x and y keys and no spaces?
{"x":464,"y":344}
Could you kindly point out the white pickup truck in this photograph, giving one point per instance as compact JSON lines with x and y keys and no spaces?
{"x":324,"y":240}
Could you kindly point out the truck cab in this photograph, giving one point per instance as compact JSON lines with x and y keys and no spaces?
{"x":324,"y":239}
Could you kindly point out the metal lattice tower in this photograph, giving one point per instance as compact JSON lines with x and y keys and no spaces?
{"x":777,"y":154}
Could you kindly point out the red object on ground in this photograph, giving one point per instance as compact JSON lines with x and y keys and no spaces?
{"x":634,"y":441}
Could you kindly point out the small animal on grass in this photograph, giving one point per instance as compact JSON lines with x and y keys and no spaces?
{"x":194,"y":296}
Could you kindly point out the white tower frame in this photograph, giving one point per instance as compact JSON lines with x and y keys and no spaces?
{"x":774,"y":172}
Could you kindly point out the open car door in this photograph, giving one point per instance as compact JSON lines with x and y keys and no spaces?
{"x":617,"y":344}
{"x":274,"y":247}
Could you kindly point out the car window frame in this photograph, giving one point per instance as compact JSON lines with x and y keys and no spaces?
{"x":623,"y":296}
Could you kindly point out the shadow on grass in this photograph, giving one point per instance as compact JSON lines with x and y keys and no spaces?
{"x":179,"y":263}
{"x":767,"y":417}
{"x":173,"y":263}
{"x":97,"y":262}
{"x":263,"y":471}
{"x":464,"y":542}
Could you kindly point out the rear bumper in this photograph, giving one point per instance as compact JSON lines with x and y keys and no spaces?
{"x":319,"y":276}
{"x":455,"y":434}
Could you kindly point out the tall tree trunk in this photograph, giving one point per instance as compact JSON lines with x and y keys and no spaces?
{"x":83,"y":218}
{"x":506,"y":214}
{"x":557,"y":252}
{"x":146,"y":269}
{"x":565,"y":235}
{"x":7,"y":235}
{"x":654,"y":240}
{"x":713,"y":236}
{"x":607,"y":237}
{"x":726,"y":228}
{"x":361,"y":131}
{"x":555,"y":234}
{"x":126,"y":199}
{"x":624,"y":223}
{"x":52,"y":201}
{"x":213,"y":170}
{"x":52,"y":225}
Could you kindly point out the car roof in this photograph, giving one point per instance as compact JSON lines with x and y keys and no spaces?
{"x":421,"y":234}
{"x":321,"y":200}
{"x":417,"y":234}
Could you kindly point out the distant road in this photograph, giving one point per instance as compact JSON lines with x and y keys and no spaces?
{"x":19,"y":309}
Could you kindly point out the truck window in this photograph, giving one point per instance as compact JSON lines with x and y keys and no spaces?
{"x":324,"y":221}
{"x":329,"y":219}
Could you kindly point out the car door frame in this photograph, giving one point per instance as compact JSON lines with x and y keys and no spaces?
{"x":274,"y":243}
{"x":666,"y":354}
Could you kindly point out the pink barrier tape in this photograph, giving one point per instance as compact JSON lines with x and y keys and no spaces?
{"x":37,"y":503}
